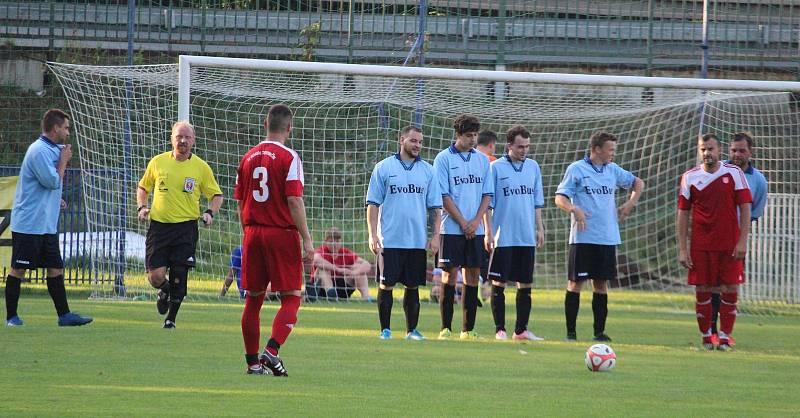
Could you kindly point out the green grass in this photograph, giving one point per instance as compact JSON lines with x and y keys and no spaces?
{"x":124,"y":364}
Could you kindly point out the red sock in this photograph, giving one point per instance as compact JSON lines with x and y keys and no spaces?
{"x":285,"y":318}
{"x":727,"y":312}
{"x":251,"y":323}
{"x":702,"y":307}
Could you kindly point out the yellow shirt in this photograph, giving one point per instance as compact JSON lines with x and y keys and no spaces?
{"x":178,"y":185}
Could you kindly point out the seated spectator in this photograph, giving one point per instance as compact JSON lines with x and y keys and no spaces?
{"x":338,"y":271}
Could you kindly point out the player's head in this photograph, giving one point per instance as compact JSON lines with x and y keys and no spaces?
{"x":279,"y":121}
{"x":486,"y":141}
{"x":410,"y":142}
{"x":709,"y":150}
{"x":466,"y":128}
{"x":182,"y":137}
{"x":741,"y":149}
{"x":518,"y":142}
{"x":55,"y":125}
{"x":603,"y":146}
{"x":333,"y":239}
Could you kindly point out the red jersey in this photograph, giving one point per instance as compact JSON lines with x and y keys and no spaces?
{"x":713,"y":199}
{"x":341,"y":258}
{"x":267,"y":175}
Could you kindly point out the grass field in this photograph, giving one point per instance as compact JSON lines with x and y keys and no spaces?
{"x":124,"y":364}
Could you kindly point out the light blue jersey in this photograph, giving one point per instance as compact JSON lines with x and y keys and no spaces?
{"x":758,"y":190}
{"x":517,"y":194}
{"x":37,"y":201}
{"x":404,"y":191}
{"x":593,"y":190}
{"x":465,"y":177}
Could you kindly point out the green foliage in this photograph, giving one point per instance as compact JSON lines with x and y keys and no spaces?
{"x":311,"y":35}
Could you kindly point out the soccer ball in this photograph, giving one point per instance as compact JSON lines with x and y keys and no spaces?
{"x":600,"y":358}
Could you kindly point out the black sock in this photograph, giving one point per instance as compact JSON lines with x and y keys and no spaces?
{"x":411,"y":307}
{"x":274,"y":345}
{"x":251,"y":359}
{"x":469,"y":300}
{"x":715,"y":300}
{"x":600,"y":311}
{"x":174,"y":305}
{"x":572,"y":303}
{"x":165,"y":286}
{"x":498,"y":303}
{"x":385,"y":301}
{"x":523,"y":309}
{"x":446,"y":305}
{"x":55,"y":286}
{"x":13,"y":287}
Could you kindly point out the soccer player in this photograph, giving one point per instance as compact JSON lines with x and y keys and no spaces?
{"x":486,"y":142}
{"x":34,"y":219}
{"x":712,"y":192}
{"x":403,"y":193}
{"x":741,"y":150}
{"x":176,"y":179}
{"x":269,"y":188}
{"x":515,"y":223}
{"x":338,"y":271}
{"x":588,"y":193}
{"x":234,"y":273}
{"x":465,"y":181}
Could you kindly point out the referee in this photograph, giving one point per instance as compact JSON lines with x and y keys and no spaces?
{"x":176,"y":179}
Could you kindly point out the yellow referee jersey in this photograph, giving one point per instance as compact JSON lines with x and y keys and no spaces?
{"x":176,"y":187}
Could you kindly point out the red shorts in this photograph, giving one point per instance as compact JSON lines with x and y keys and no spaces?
{"x":714,"y":268}
{"x":271,"y":255}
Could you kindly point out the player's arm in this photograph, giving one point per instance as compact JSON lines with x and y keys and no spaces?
{"x":227,"y":283}
{"x":297,"y":208}
{"x":682,"y":231}
{"x":488,"y":237}
{"x":636,"y":193}
{"x":452,"y":209}
{"x":372,"y":226}
{"x":141,"y":203}
{"x":744,"y":230}
{"x":539,"y":228}
{"x":214,"y":205}
{"x":321,"y":263}
{"x":564,"y":203}
{"x":434,"y":225}
{"x":474,"y":222}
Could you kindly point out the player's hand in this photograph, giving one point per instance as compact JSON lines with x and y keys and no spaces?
{"x":66,"y":154}
{"x":488,"y":243}
{"x":624,"y":211}
{"x":207,"y":219}
{"x":580,"y":218}
{"x":144,"y":214}
{"x":539,"y":238}
{"x":308,"y":251}
{"x":433,"y":244}
{"x":685,"y":260}
{"x":740,"y":251}
{"x":63,"y":204}
{"x":375,"y":245}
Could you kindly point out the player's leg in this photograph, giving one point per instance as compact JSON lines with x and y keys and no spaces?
{"x":703,"y":277}
{"x":600,"y":308}
{"x":24,"y":254}
{"x":413,"y":275}
{"x":497,"y":272}
{"x":451,"y":257}
{"x":715,"y":301}
{"x":178,"y":276}
{"x":254,"y":279}
{"x":386,"y":272}
{"x":731,"y":276}
{"x":156,"y":261}
{"x":50,"y":257}
{"x":12,"y":292}
{"x":475,"y":258}
{"x":182,"y":258}
{"x":522,"y":271}
{"x":572,"y":299}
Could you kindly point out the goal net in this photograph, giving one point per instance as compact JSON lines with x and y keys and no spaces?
{"x":347,"y":118}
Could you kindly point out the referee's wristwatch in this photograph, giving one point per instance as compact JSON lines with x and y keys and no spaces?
{"x":140,"y":208}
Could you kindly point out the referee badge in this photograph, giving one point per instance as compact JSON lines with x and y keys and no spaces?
{"x":188,"y":185}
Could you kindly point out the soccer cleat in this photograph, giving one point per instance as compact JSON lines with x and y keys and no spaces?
{"x":73,"y":319}
{"x":527,"y":335}
{"x":469,"y":335}
{"x":724,"y":345}
{"x":169,"y":324}
{"x":257,"y":369}
{"x":386,"y":334}
{"x":273,"y":363}
{"x":501,"y":335}
{"x":415,"y":335}
{"x":731,"y":341}
{"x":571,"y":336}
{"x":162,"y":302}
{"x":445,"y":334}
{"x":602,"y":337}
{"x":15,"y":321}
{"x":714,"y":339}
{"x":709,"y":343}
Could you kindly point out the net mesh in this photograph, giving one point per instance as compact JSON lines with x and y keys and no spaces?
{"x":344,"y":124}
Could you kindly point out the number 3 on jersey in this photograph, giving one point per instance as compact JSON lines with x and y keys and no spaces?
{"x":261,"y":174}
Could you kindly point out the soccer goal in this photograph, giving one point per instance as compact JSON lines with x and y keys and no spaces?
{"x":347,"y":118}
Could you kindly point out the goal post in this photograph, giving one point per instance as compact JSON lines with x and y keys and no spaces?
{"x":347,"y":117}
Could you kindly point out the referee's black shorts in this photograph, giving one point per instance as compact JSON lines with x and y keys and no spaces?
{"x":592,"y":261}
{"x":402,"y":265}
{"x":32,"y":251}
{"x":512,"y":264}
{"x":171,"y":244}
{"x":458,"y":251}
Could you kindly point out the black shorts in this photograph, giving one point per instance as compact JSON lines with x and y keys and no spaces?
{"x":32,"y":251}
{"x":343,"y":290}
{"x":512,"y":264}
{"x":592,"y":261}
{"x":458,"y":251}
{"x":171,"y":244}
{"x":402,"y":265}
